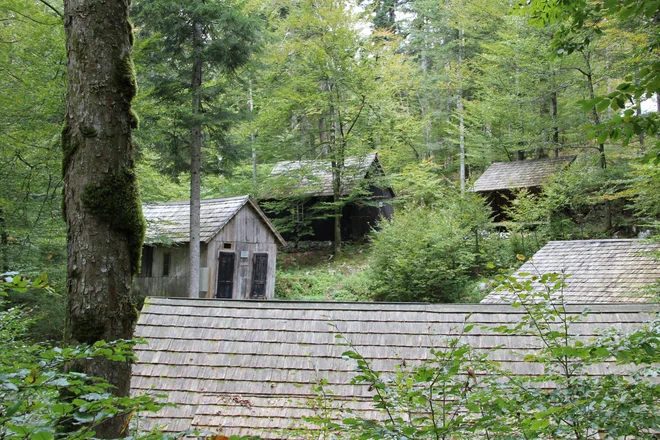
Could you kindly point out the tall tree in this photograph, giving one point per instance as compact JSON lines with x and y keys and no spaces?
{"x":32,"y":60}
{"x":332,"y":91}
{"x":105,"y":227}
{"x":581,"y":18}
{"x":193,"y":43}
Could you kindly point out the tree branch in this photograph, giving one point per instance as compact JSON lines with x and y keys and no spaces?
{"x":59,"y":14}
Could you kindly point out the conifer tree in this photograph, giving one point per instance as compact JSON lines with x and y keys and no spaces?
{"x":190,"y":44}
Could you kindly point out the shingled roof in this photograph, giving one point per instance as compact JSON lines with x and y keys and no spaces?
{"x":171,"y":221}
{"x":600,"y":271}
{"x":520,"y":173}
{"x":314,"y":177}
{"x":248,"y":368}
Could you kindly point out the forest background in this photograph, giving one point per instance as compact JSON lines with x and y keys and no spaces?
{"x":440,"y":89}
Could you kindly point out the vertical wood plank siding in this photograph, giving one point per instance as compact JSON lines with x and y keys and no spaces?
{"x":233,"y":224}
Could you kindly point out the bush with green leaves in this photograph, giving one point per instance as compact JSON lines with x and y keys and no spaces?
{"x":583,"y":201}
{"x":42,"y":399}
{"x":435,"y":253}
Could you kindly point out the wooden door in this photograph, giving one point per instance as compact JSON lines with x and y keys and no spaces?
{"x":259,"y":276}
{"x":226,"y":265}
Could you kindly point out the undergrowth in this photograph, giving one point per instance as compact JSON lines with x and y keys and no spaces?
{"x":317,"y":276}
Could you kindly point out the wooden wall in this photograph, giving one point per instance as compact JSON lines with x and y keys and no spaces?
{"x":175,"y":284}
{"x":246,"y":234}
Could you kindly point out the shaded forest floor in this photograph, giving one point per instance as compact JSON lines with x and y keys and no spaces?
{"x":315,"y":275}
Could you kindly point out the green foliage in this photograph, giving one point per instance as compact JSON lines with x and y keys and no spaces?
{"x":432,"y":253}
{"x":316,"y":275}
{"x":32,"y":53}
{"x":583,"y":201}
{"x":582,"y":21}
{"x":419,"y":184}
{"x":461,"y":393}
{"x":39,"y":398}
{"x":165,"y":56}
{"x":580,"y":404}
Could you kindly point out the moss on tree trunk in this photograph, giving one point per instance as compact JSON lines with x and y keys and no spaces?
{"x":102,"y":208}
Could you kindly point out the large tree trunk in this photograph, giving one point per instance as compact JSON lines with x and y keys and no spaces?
{"x":105,"y":227}
{"x":195,"y":163}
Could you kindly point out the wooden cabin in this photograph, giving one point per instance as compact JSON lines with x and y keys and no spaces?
{"x":300,"y":205}
{"x":253,"y":367}
{"x":500,"y":182}
{"x":238,"y":250}
{"x":597,"y":271}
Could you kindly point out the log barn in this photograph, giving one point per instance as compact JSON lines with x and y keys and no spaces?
{"x":303,"y":194}
{"x":238,"y":250}
{"x":502,"y":180}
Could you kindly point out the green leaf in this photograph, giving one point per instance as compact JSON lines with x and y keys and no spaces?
{"x":603,"y":105}
{"x":602,"y":137}
{"x":41,"y":435}
{"x":14,"y":409}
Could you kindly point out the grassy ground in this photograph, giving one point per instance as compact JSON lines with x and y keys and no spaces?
{"x":316,"y":276}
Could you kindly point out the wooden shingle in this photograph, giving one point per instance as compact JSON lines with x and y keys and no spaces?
{"x":249,"y":367}
{"x":597,"y":271}
{"x":314,"y":177}
{"x":520,"y":174}
{"x":171,"y":221}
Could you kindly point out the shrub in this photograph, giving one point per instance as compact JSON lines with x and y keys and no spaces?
{"x":431,"y":253}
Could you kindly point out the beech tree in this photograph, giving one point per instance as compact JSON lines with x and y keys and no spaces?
{"x":333,"y":92}
{"x":105,"y":226}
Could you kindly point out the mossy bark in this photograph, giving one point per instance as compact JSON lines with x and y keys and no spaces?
{"x":105,"y":227}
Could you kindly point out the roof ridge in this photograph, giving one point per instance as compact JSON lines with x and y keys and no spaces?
{"x":187,"y":202}
{"x":602,"y":240}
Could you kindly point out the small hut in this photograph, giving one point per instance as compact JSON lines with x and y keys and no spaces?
{"x":306,"y":192}
{"x":502,"y":179}
{"x":238,"y":250}
{"x":596,"y":271}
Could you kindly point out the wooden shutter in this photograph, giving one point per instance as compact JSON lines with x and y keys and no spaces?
{"x":225,"y":274}
{"x":259,"y":276}
{"x":147,"y":261}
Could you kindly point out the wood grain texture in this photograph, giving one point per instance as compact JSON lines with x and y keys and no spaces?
{"x":597,"y":271}
{"x":248,"y":367}
{"x":233,"y":221}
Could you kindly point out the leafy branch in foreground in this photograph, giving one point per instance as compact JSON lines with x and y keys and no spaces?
{"x":575,"y":384}
{"x":39,"y":399}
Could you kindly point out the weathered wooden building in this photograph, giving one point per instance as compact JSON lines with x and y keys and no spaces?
{"x":238,"y":250}
{"x":501,"y":180}
{"x":305,"y":190}
{"x":251,"y":367}
{"x":597,"y":271}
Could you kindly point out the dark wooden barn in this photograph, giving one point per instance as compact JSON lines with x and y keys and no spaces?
{"x":500,"y":182}
{"x":301,"y":204}
{"x":238,"y":250}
